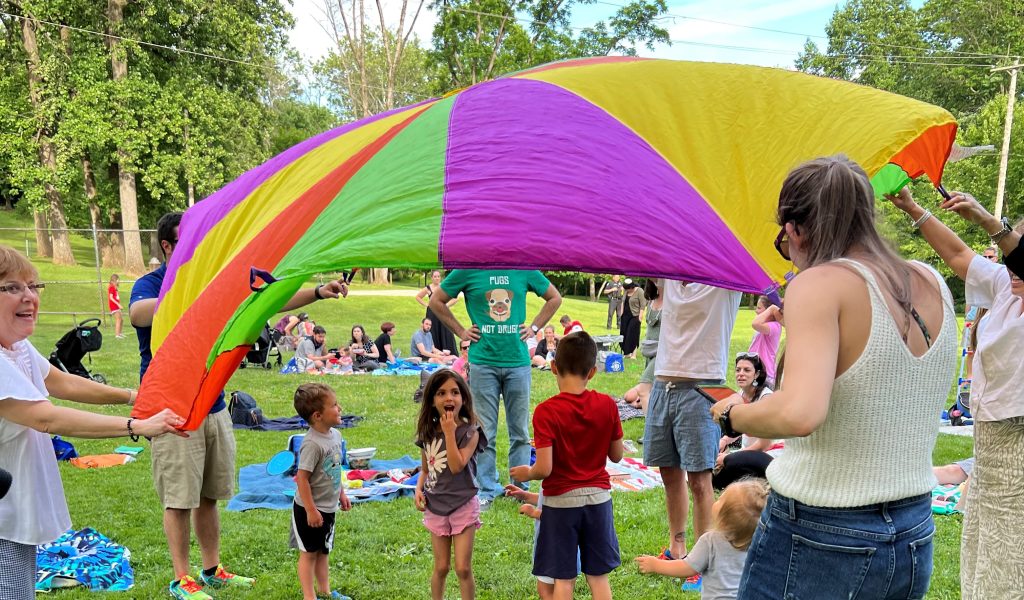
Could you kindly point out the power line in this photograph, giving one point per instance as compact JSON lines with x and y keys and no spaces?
{"x":134,"y":41}
{"x":928,"y":60}
{"x":804,"y":35}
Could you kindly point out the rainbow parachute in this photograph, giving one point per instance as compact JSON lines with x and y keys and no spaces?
{"x":647,"y":167}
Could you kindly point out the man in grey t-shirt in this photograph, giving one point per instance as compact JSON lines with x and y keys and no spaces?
{"x":422,"y":346}
{"x":311,"y":353}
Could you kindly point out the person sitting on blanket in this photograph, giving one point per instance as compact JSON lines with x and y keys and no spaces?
{"x":754,"y":456}
{"x":422,"y":346}
{"x":957,"y":473}
{"x":719,"y":554}
{"x":318,"y":490}
{"x":312,"y":354}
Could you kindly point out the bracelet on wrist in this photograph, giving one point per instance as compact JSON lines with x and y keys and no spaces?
{"x":316,"y":292}
{"x":131,"y":433}
{"x":920,"y":221}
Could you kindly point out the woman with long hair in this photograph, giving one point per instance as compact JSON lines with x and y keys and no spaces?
{"x":994,"y":517}
{"x":753,"y":457}
{"x":871,"y":344}
{"x":365,"y":356}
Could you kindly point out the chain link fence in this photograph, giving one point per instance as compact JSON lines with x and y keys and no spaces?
{"x":79,"y":292}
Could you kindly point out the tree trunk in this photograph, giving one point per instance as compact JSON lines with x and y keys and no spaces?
{"x":44,"y":249}
{"x":379,"y":277}
{"x":112,"y":242}
{"x":134,"y":262}
{"x":61,"y":243}
{"x":591,"y":289}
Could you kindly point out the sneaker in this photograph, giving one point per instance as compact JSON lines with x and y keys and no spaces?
{"x":221,"y":579}
{"x":336,"y":595}
{"x":187,"y":588}
{"x":692,"y":584}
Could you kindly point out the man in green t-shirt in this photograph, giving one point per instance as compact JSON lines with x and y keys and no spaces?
{"x":499,"y":360}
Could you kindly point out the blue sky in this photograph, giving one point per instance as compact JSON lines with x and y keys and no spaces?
{"x":693,"y":25}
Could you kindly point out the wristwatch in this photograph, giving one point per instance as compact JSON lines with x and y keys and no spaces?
{"x":534,"y":328}
{"x":726,"y":423}
{"x":1005,"y":231}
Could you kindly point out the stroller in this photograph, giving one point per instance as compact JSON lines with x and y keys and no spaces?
{"x":264,"y":348}
{"x":74,"y":345}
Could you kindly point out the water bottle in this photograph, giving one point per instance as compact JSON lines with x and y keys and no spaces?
{"x":344,"y":453}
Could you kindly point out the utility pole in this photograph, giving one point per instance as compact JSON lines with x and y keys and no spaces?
{"x":1005,"y":153}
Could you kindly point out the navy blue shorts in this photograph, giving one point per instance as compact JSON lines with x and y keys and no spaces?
{"x":563,"y":530}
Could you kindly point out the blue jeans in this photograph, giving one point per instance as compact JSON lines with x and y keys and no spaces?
{"x":513,"y":385}
{"x":800,"y":552}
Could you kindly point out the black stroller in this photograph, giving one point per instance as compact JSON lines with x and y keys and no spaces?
{"x":74,"y":345}
{"x":261,"y":351}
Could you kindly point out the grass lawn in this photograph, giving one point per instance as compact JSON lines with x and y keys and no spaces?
{"x":381,"y":549}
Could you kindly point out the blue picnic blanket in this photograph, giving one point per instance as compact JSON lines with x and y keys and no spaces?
{"x":87,"y":558}
{"x":404,"y":367}
{"x":257,"y":489}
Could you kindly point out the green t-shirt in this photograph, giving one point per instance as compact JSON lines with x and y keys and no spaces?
{"x":496,"y":302}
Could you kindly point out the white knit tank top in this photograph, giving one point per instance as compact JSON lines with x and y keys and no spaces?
{"x":876,"y":442}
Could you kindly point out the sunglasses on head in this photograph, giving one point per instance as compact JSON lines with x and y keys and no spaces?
{"x":740,"y":355}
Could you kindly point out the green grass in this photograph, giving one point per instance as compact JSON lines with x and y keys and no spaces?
{"x":382,"y":551}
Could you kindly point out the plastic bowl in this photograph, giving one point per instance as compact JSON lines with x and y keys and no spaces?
{"x":359,"y":458}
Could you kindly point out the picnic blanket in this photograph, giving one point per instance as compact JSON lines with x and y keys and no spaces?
{"x":631,"y":475}
{"x":87,"y":558}
{"x":404,"y":368}
{"x":945,"y":498}
{"x":626,"y":410}
{"x":295,"y":422}
{"x":257,"y":489}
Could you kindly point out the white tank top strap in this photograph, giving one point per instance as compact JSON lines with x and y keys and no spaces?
{"x":874,"y":291}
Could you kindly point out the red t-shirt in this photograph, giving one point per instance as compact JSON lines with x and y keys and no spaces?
{"x":574,"y":326}
{"x":579,"y":429}
{"x":113,"y":298}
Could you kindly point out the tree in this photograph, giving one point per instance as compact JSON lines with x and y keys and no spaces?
{"x":476,"y":40}
{"x":374,"y":66}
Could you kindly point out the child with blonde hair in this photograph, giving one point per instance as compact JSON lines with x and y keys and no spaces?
{"x":719,"y":554}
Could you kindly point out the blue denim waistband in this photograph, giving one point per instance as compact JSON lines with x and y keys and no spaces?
{"x":685,"y":385}
{"x":790,"y":505}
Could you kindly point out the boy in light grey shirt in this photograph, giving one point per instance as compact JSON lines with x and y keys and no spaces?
{"x":318,"y":493}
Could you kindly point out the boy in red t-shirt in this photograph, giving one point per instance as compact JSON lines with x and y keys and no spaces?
{"x":574,"y":433}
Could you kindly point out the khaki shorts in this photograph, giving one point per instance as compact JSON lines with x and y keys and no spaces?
{"x":202,"y":465}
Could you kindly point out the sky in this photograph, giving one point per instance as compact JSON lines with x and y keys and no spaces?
{"x":704,"y":30}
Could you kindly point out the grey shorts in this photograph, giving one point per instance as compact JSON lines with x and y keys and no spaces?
{"x":678,"y":431}
{"x":967,"y":465}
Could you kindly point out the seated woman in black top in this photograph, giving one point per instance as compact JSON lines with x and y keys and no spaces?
{"x":364,"y":352}
{"x":383,"y":342}
{"x":545,"y":351}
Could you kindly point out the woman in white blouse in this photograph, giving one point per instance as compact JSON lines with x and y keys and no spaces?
{"x":994,"y":523}
{"x":34,"y":511}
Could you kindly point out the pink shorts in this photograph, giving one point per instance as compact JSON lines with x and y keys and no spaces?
{"x":467,"y":515}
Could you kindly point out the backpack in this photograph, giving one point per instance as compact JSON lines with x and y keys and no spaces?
{"x":244,"y":410}
{"x":63,"y":449}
